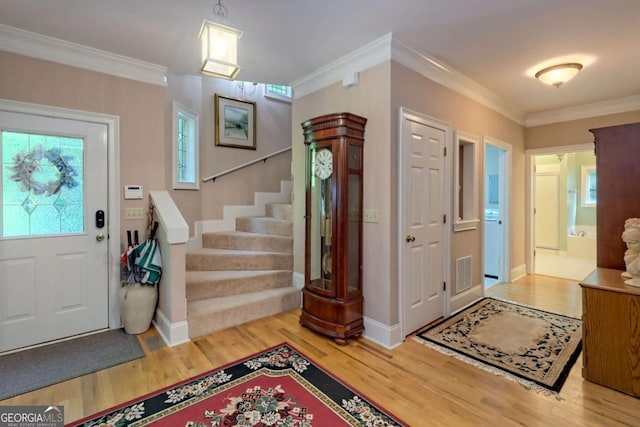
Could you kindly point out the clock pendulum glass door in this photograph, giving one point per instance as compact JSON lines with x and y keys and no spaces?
{"x":326,"y":229}
{"x":321,"y":217}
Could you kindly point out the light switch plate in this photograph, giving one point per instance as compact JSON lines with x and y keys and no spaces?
{"x":134,"y":213}
{"x":370,"y":215}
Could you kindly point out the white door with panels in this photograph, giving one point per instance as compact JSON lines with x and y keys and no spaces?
{"x":54,"y":259}
{"x":423,"y":205}
{"x":547,"y":210}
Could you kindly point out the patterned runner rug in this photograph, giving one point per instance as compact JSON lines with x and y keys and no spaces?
{"x":533,"y":347}
{"x":279,"y":387}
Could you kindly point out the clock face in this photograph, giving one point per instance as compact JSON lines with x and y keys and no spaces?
{"x":324,"y":163}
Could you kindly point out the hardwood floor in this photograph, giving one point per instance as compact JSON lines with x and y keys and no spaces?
{"x":417,"y":384}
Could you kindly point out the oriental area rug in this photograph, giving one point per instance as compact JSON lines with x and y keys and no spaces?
{"x":533,"y":347}
{"x":279,"y":387}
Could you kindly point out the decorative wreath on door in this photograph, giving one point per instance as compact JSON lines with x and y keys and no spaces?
{"x":26,"y":164}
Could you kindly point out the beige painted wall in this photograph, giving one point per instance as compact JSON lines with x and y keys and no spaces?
{"x":412,"y":90}
{"x":369,"y":99}
{"x":145,"y":113}
{"x":575,"y":131}
{"x":382,"y":90}
{"x":138,"y":105}
{"x":273,"y":133}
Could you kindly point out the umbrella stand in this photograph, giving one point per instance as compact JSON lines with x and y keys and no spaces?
{"x":139,"y":295}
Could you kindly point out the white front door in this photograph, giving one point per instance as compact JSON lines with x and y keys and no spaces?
{"x":53,"y":252}
{"x":423,"y":204}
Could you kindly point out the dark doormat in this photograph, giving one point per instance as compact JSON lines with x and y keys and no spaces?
{"x":39,"y":367}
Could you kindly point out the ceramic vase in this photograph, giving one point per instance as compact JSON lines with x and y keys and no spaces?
{"x":137,"y":305}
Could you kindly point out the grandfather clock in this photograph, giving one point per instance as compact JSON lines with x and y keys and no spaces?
{"x":332,"y":294}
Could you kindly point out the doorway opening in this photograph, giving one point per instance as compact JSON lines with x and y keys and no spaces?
{"x":564,"y":213}
{"x":497,"y":169}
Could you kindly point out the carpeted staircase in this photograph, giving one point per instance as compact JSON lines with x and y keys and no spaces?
{"x":242,"y":275}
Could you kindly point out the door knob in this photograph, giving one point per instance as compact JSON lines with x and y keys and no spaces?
{"x":410,"y":238}
{"x":100,"y":237}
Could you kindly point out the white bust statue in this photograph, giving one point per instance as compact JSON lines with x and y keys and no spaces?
{"x":631,"y":236}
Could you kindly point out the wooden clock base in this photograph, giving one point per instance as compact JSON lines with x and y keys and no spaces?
{"x":339,"y":320}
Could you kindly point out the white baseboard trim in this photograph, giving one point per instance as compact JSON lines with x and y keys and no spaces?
{"x":298,"y":280}
{"x":518,"y":272}
{"x":387,"y":336}
{"x":171,"y":333}
{"x":465,"y":298}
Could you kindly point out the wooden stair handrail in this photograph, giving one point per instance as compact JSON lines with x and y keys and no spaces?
{"x":244,"y":165}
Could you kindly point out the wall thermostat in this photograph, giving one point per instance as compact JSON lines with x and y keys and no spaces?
{"x":133,"y":192}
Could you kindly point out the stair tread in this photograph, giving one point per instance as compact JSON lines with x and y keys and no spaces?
{"x":195,"y":275}
{"x":238,"y":252}
{"x":198,"y":307}
{"x":248,"y":234}
{"x":266,"y":218}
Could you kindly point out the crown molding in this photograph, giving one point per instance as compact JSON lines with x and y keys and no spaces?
{"x":390,"y":47}
{"x":594,"y":109}
{"x":368,"y":56}
{"x":48,"y":48}
{"x":411,"y":57}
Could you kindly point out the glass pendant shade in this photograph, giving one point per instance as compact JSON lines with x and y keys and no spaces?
{"x":558,"y":74}
{"x":219,"y":50}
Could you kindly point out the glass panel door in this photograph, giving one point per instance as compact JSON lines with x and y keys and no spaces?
{"x":42,"y":184}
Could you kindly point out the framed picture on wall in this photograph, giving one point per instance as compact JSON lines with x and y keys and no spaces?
{"x":235,"y":122}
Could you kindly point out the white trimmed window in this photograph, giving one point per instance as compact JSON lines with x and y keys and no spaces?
{"x":588,"y":174}
{"x":185,"y":148}
{"x":280,"y":92}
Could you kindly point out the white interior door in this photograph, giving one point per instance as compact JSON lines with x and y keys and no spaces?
{"x":497,"y":207}
{"x":423,"y":200}
{"x":547,"y":211}
{"x":54,"y":270}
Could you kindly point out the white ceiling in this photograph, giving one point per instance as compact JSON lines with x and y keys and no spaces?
{"x":493,"y":42}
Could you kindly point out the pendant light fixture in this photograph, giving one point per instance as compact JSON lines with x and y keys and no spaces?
{"x":219,"y":47}
{"x":558,"y":74}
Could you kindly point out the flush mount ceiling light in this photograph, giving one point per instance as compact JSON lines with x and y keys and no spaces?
{"x":219,"y":47}
{"x":558,"y":74}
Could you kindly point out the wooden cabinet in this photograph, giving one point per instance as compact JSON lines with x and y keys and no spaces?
{"x":611,"y":309}
{"x":617,"y":189}
{"x":611,"y":331}
{"x":332,"y":294}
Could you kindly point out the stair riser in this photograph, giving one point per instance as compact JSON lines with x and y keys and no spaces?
{"x":217,"y":320}
{"x":211,"y":262}
{"x":235,"y":286}
{"x":243,"y":242}
{"x":280,"y":211}
{"x":265,"y":226}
